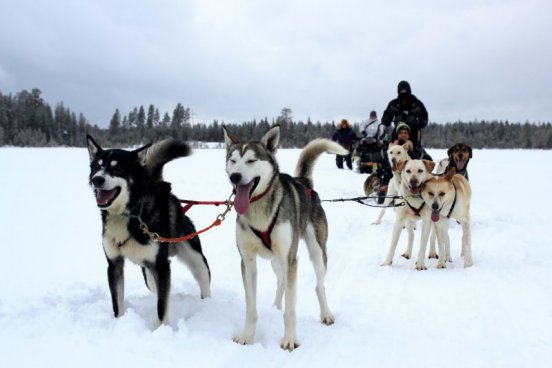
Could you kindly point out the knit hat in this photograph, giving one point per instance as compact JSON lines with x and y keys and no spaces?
{"x":402,"y":125}
{"x":344,"y":122}
{"x":404,"y":85}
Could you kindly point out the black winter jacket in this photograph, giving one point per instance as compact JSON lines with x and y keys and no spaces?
{"x":411,"y":111}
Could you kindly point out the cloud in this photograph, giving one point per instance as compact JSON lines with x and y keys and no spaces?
{"x":241,"y":59}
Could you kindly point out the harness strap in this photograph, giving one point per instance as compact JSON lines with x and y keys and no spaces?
{"x":190,"y":203}
{"x":308,"y":189}
{"x":453,"y":202}
{"x":414,"y":209}
{"x":265,"y":235}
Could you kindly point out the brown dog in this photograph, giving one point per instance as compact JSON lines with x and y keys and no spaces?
{"x":459,"y":156}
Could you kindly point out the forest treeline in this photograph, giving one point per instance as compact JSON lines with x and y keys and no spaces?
{"x":26,"y":120}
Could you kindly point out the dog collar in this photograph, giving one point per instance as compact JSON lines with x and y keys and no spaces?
{"x":260,"y":195}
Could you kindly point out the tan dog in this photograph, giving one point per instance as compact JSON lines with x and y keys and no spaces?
{"x":414,"y":173}
{"x":395,"y":154}
{"x":446,"y":197}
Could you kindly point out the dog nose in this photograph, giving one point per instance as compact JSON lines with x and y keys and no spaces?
{"x":435,"y":206}
{"x":98,"y":181}
{"x":235,"y":178}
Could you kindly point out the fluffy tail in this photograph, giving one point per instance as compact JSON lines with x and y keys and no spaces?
{"x":312,"y":151}
{"x":156,"y":156}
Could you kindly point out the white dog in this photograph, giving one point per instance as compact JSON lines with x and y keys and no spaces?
{"x":414,"y":174}
{"x":395,"y":154}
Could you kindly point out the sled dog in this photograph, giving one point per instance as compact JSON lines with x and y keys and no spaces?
{"x":458,"y":157}
{"x":129,"y":191}
{"x":446,"y":197}
{"x":414,"y":173}
{"x":274,"y":211}
{"x":395,"y":154}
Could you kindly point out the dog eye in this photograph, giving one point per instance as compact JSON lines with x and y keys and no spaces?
{"x":232,"y":161}
{"x":420,"y":171}
{"x":408,"y":171}
{"x":431,"y":194}
{"x":251,"y":161}
{"x":442,"y":194}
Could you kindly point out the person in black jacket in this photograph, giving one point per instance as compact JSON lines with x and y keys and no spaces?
{"x":345,"y":136}
{"x":408,"y":109}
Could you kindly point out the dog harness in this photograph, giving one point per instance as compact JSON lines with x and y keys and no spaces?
{"x":264,"y":236}
{"x":414,"y":209}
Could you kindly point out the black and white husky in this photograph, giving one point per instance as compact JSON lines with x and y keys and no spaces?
{"x":130,"y":190}
{"x":274,"y":211}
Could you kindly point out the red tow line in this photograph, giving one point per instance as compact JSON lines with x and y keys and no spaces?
{"x":220,"y":218}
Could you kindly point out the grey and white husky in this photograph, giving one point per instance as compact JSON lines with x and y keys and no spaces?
{"x":130,"y":190}
{"x":274,"y":211}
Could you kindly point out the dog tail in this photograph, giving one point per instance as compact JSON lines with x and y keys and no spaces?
{"x":156,"y":156}
{"x":312,"y":151}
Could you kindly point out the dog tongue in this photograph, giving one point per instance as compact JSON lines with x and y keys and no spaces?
{"x":460,"y":164}
{"x":241,"y":200}
{"x":435,"y":216}
{"x":104,"y":196}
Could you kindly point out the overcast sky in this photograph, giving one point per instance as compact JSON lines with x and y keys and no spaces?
{"x":236,"y":60}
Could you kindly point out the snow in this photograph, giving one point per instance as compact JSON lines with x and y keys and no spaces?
{"x":55,"y":308}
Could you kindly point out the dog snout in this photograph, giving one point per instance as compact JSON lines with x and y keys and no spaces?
{"x":235,"y":178}
{"x":414,"y":182}
{"x":98,"y":181}
{"x":435,"y":206}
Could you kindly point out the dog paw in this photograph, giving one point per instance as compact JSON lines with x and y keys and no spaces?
{"x":433,"y":255}
{"x":328,"y":320}
{"x":243,"y":340}
{"x":420,"y":267}
{"x":406,"y":255}
{"x":441,"y":265}
{"x":386,"y":263}
{"x":468,"y":263}
{"x":376,"y":222}
{"x":289,"y":344}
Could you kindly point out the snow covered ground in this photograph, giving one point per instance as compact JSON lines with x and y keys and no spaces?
{"x":55,"y":308}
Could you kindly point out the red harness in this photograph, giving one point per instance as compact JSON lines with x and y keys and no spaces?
{"x":264,"y":236}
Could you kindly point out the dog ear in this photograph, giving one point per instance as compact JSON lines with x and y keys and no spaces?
{"x":469,"y":150}
{"x":229,"y":139}
{"x":430,"y":165}
{"x":449,"y":152}
{"x":93,"y":147}
{"x":406,"y":146}
{"x":271,"y":139}
{"x":450,"y":174}
{"x":401,"y":165}
{"x":142,"y":153}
